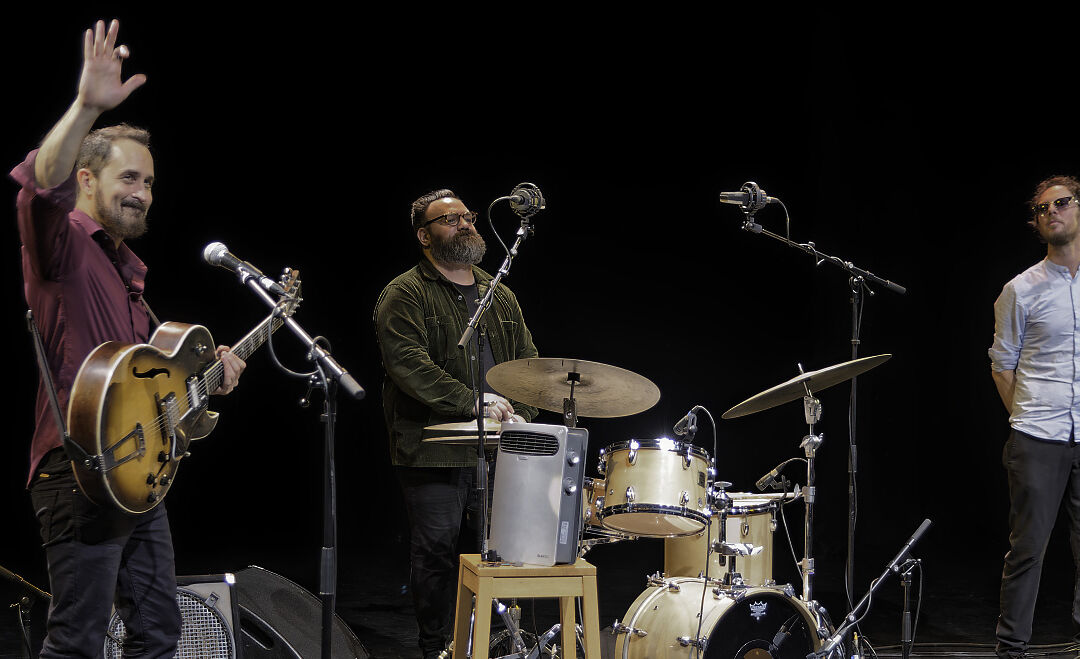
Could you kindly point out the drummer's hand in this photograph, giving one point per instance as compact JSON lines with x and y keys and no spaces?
{"x":497,"y":407}
{"x":516,"y":418}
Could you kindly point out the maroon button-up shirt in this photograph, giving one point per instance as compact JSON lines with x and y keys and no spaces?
{"x":82,"y":289}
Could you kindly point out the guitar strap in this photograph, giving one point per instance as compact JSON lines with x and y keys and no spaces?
{"x":74,"y":451}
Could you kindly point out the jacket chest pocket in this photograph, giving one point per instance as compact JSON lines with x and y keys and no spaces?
{"x":442,"y":340}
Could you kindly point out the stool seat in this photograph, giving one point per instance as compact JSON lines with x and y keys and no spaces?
{"x":491,"y":581}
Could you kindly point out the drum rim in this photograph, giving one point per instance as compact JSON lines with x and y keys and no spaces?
{"x":654,"y":444}
{"x":678,"y":511}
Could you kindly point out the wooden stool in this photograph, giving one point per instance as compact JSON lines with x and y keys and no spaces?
{"x":565,"y":582}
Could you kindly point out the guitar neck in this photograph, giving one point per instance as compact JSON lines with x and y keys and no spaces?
{"x":215,"y":373}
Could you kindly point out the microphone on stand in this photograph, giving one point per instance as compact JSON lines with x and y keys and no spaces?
{"x":687,"y":426}
{"x":750,"y":197}
{"x":218,"y":254}
{"x":526,"y":200}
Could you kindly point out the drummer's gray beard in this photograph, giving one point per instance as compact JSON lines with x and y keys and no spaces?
{"x":466,"y":248}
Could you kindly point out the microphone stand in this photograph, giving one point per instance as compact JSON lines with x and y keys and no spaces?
{"x":895,"y":565}
{"x":523,"y":232}
{"x":330,"y":375}
{"x":858,"y":282}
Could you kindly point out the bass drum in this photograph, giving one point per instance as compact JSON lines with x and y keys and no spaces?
{"x":663,"y":620}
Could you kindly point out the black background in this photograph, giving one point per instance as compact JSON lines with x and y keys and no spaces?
{"x":298,"y":138}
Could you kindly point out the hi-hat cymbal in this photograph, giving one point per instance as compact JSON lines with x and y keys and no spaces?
{"x":600,"y":391}
{"x":462,"y":433}
{"x":796,"y":387}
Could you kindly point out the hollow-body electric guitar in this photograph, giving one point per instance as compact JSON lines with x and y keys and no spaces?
{"x":136,"y":408}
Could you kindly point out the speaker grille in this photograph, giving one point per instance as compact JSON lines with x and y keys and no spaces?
{"x":528,"y":443}
{"x":204,"y":633}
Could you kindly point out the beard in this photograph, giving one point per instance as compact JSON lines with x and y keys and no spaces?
{"x":464,"y":248}
{"x":1059,"y":239}
{"x":125,"y":221}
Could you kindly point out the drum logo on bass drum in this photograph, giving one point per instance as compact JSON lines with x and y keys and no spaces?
{"x":758,"y":609}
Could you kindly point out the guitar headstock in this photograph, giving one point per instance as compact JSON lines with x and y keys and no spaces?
{"x":290,"y":281}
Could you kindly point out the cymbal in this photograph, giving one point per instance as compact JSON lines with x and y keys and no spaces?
{"x":462,"y":433}
{"x":796,"y":387}
{"x":600,"y":391}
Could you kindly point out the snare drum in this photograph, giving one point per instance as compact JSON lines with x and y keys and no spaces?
{"x":663,"y":621}
{"x":751,"y":520}
{"x":655,"y":488}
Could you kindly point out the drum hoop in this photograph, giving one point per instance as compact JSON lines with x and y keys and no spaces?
{"x":654,"y":444}
{"x":678,"y":511}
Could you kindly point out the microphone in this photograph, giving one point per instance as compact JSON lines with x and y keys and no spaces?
{"x":526,"y":200}
{"x":218,"y":254}
{"x":769,"y":479}
{"x":915,"y":537}
{"x":687,"y":426}
{"x":750,"y":197}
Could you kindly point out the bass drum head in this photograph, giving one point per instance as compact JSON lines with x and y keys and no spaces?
{"x":666,"y":615}
{"x":748,"y":628}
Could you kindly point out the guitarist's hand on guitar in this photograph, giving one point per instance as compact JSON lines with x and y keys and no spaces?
{"x":234,"y":366}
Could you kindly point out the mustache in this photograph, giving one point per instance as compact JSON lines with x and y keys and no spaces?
{"x":133,"y":203}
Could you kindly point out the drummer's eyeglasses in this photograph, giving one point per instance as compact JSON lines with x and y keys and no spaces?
{"x":452,"y":219}
{"x":1044,"y":208}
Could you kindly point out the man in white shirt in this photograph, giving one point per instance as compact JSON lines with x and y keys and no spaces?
{"x":1035,"y":362}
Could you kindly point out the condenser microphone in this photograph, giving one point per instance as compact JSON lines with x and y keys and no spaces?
{"x":750,"y":197}
{"x":526,"y":200}
{"x":218,"y":254}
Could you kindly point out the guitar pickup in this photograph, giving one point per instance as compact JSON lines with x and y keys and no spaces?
{"x":169,"y":413}
{"x":197,"y":395}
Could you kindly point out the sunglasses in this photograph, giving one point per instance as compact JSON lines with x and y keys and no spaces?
{"x":1044,"y":208}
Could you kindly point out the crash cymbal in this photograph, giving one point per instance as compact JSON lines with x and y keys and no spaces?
{"x":462,"y":433}
{"x":796,"y":387}
{"x":600,"y":390}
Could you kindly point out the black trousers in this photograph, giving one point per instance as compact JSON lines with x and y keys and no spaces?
{"x":98,"y":556}
{"x":443,"y":522}
{"x":1043,"y":476}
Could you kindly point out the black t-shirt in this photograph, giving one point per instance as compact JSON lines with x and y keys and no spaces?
{"x":472,"y":301}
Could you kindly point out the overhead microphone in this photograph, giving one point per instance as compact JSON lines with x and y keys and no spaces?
{"x":526,"y":200}
{"x":687,"y":426}
{"x":218,"y":254}
{"x":750,"y":197}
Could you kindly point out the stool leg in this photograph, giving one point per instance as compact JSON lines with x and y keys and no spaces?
{"x":461,"y":617}
{"x":590,"y":619}
{"x":569,"y":633}
{"x":482,"y":626}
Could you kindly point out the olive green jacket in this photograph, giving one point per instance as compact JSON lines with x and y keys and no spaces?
{"x":419,"y":319}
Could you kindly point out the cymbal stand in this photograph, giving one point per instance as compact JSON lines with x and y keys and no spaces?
{"x":809,"y":444}
{"x":569,"y":404}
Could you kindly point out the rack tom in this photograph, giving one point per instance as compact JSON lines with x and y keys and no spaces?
{"x":656,"y":488}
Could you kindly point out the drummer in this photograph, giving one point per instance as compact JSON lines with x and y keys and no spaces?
{"x":419,"y":319}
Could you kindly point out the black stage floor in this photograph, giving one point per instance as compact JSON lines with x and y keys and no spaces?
{"x":957,"y":616}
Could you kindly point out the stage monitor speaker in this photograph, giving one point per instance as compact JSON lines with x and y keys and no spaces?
{"x":536,"y":507}
{"x":281,"y":620}
{"x":209,"y":612}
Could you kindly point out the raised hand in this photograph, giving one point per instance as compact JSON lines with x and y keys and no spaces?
{"x":100,"y":87}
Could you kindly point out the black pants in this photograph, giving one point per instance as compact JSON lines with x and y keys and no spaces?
{"x":98,"y":556}
{"x":1043,"y":476}
{"x":439,"y":502}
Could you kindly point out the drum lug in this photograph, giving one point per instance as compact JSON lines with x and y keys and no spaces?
{"x":601,"y":466}
{"x":630,"y":495}
{"x":684,"y":498}
{"x":631,"y":455}
{"x":599,"y":505}
{"x":686,"y":642}
{"x":688,"y":457}
{"x":619,"y":628}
